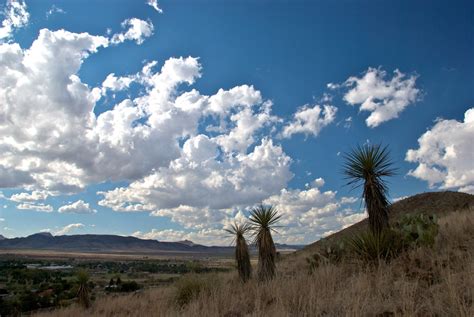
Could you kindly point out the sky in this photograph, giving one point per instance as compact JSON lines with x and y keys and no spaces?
{"x":170,"y":120}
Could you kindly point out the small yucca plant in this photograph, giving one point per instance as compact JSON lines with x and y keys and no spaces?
{"x":263,"y":220}
{"x":375,"y":248}
{"x":242,"y":256}
{"x":83,"y":296}
{"x":367,"y":166}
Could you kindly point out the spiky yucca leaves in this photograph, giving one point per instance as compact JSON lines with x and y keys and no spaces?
{"x":263,"y":220}
{"x":242,"y":256}
{"x":83,"y":296}
{"x":366,"y":166}
{"x":375,"y":248}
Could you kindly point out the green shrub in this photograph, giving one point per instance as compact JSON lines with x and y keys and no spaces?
{"x":129,"y":286}
{"x":417,"y":230}
{"x":412,"y":230}
{"x":372,"y":247}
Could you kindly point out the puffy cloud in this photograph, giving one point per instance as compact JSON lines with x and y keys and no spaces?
{"x":309,"y":120}
{"x":35,"y":207}
{"x":29,"y":197}
{"x":35,"y":149}
{"x":384,"y":99}
{"x":69,"y":228}
{"x":224,"y":100}
{"x":318,"y":182}
{"x":309,"y":214}
{"x":137,"y":31}
{"x":445,"y":155}
{"x":246,"y":123}
{"x":154,"y":5}
{"x":199,"y":184}
{"x":115,"y":83}
{"x":127,"y":142}
{"x":15,"y":16}
{"x":78,"y":207}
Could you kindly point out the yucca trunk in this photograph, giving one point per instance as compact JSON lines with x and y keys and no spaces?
{"x":377,"y":206}
{"x":266,"y":255}
{"x":242,"y":258}
{"x":83,"y":296}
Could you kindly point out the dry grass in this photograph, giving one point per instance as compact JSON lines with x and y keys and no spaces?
{"x":421,"y":282}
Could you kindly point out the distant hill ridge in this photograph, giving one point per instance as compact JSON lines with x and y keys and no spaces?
{"x":100,"y":243}
{"x":112,"y":244}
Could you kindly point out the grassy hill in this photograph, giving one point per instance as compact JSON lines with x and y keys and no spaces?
{"x":431,"y":203}
{"x":424,"y":281}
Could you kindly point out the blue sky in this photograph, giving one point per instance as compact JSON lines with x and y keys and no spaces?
{"x":247,"y":101}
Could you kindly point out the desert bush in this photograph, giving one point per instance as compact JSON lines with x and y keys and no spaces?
{"x":417,"y":229}
{"x":329,"y":253}
{"x":191,"y":286}
{"x":187,"y":289}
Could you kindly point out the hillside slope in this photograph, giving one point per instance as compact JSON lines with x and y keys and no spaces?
{"x":437,"y":203}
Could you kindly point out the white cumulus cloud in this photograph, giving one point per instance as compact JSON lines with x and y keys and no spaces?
{"x":69,"y":228}
{"x":445,"y":156}
{"x":310,"y":120}
{"x":308,"y":215}
{"x":29,"y":197}
{"x":384,"y":98}
{"x":200,"y":186}
{"x":154,"y":5}
{"x":114,"y":83}
{"x":137,"y":31}
{"x":77,"y":207}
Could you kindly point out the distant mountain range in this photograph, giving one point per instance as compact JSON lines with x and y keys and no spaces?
{"x":113,"y":244}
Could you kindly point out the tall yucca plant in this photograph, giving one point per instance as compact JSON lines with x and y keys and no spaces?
{"x":242,"y":256}
{"x":83,"y":291}
{"x":263,"y":220}
{"x":366,"y":166}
